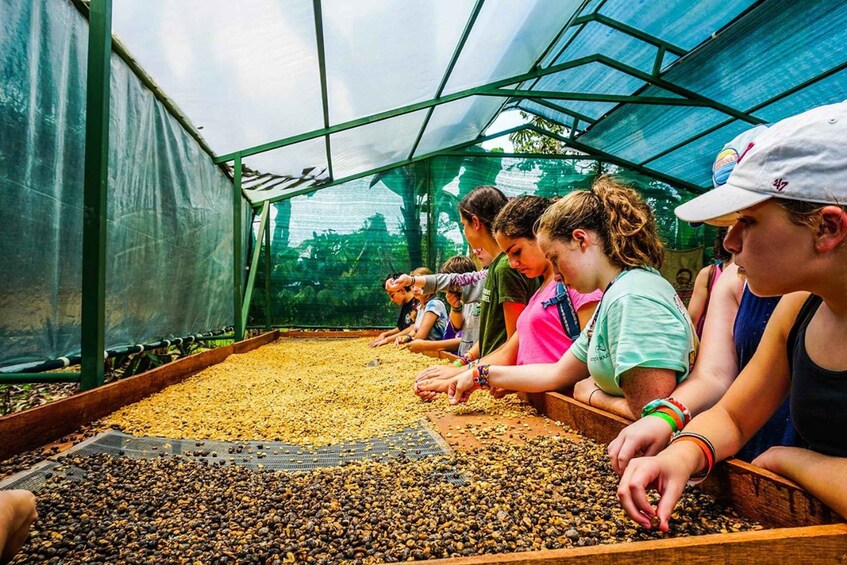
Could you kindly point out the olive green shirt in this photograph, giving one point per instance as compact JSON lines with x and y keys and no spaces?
{"x":503,"y":284}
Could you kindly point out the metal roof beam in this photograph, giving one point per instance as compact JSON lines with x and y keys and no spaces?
{"x":631,"y":31}
{"x":557,"y":108}
{"x":406,"y":109}
{"x":755,"y":108}
{"x":542,"y":57}
{"x":291,"y":194}
{"x":497,"y":155}
{"x":590,"y":97}
{"x":319,"y":36}
{"x":456,"y":53}
{"x":609,"y":158}
{"x":676,"y":89}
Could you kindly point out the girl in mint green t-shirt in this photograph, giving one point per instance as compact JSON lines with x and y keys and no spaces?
{"x":640,"y":342}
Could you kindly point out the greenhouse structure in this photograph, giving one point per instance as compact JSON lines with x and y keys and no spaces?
{"x":208,"y":172}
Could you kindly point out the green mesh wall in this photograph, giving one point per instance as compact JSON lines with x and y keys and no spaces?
{"x":331,"y":249}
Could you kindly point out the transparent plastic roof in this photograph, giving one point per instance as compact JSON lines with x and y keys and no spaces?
{"x":241,"y":75}
{"x":312,"y":93}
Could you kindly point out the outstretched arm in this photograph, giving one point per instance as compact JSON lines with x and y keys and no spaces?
{"x":754,"y":396}
{"x":524,"y":378}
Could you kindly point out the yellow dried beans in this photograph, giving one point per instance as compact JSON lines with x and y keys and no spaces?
{"x":310,"y":392}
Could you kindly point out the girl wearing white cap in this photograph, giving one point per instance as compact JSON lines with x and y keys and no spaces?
{"x":785,"y":199}
{"x":732,"y":333}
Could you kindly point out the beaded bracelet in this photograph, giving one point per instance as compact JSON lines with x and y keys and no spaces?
{"x":708,"y":452}
{"x":686,"y":414}
{"x":480,"y":376}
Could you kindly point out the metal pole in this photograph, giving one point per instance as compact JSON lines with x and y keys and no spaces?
{"x":95,"y":194}
{"x":236,"y":250}
{"x":431,"y":217}
{"x":268,"y":277}
{"x":254,"y":263}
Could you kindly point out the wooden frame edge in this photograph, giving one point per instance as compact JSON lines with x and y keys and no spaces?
{"x":38,"y":426}
{"x":811,"y":544}
{"x":332,"y":334}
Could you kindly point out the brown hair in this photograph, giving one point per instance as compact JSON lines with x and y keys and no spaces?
{"x":519,"y":215}
{"x":484,"y":202}
{"x":615,"y":212}
{"x":458,"y":264}
{"x":803,"y":213}
{"x":719,"y":252}
{"x":419,"y":272}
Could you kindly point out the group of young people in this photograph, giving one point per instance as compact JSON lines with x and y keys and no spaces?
{"x":571,"y":298}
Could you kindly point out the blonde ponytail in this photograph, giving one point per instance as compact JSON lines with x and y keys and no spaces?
{"x":621,"y":218}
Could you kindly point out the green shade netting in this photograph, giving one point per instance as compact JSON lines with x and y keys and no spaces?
{"x":331,"y":249}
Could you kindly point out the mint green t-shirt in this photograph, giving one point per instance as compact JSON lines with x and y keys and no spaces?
{"x":641,"y":322}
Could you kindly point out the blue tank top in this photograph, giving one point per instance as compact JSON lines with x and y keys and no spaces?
{"x":750,"y":321}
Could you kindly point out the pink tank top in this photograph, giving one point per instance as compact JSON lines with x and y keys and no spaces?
{"x":541,"y":336}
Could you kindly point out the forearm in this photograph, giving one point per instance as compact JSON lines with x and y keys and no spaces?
{"x":540,"y":377}
{"x":457,"y":319}
{"x":426,"y":325}
{"x":722,"y":430}
{"x":437,"y":345}
{"x":614,"y":404}
{"x":822,"y":475}
{"x":699,"y":393}
{"x":410,"y":331}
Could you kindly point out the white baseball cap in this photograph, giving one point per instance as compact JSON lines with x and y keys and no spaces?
{"x":803,"y":157}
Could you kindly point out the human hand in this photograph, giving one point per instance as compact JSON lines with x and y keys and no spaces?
{"x":778,"y":459}
{"x":644,"y":437}
{"x":460,"y":387}
{"x":667,"y":474}
{"x":399,"y":283}
{"x":439,"y":372}
{"x":402,"y":340}
{"x":378,"y":340}
{"x":454,"y":299}
{"x":425,"y":395}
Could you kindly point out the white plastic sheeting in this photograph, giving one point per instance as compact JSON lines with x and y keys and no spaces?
{"x":248,"y":73}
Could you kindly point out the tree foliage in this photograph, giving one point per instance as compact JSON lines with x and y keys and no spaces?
{"x":528,"y":141}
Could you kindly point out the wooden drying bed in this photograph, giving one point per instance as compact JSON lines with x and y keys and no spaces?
{"x":803,"y":529}
{"x":42,"y":425}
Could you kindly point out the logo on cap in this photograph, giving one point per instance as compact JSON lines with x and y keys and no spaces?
{"x":780,"y":184}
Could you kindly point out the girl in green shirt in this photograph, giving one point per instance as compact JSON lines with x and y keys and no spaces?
{"x":506,"y":291}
